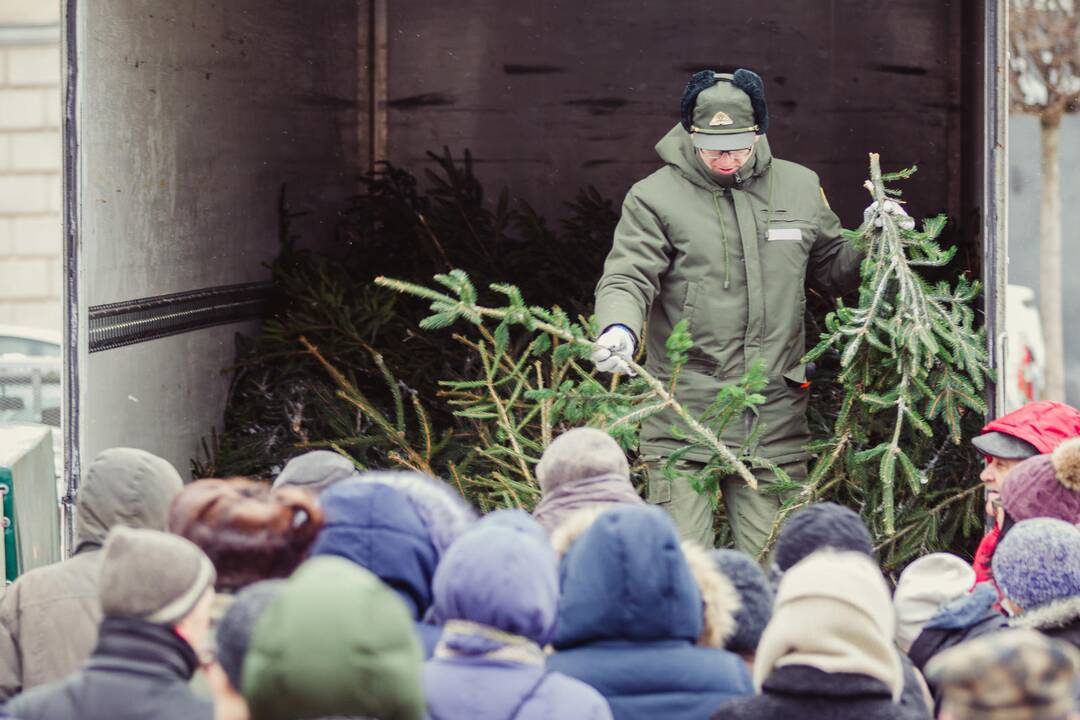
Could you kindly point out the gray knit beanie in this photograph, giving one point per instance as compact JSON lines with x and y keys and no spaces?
{"x":233,"y":633}
{"x":581,"y":453}
{"x":315,"y":471}
{"x":152,"y":576}
{"x":755,"y":596}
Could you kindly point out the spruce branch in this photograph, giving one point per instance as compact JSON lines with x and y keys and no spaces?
{"x":448,"y":309}
{"x":911,"y":365}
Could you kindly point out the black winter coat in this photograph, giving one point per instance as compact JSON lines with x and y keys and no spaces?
{"x":137,"y":671}
{"x":798,"y":692}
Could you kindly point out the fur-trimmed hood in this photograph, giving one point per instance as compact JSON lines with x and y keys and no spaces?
{"x":1052,"y":616}
{"x":719,"y":598}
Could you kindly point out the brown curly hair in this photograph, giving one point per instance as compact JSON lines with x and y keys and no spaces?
{"x":249,"y":531}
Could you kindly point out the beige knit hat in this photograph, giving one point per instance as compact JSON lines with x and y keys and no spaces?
{"x":152,"y":576}
{"x":833,"y":612}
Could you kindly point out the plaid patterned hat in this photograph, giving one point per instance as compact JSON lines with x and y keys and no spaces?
{"x":1008,"y":675}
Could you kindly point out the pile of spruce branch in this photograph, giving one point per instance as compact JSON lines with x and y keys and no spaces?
{"x":474,"y":383}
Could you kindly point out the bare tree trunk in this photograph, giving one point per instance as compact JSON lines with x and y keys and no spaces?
{"x":1050,"y":260}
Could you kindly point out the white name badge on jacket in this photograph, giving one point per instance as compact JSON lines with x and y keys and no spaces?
{"x":785,"y":234}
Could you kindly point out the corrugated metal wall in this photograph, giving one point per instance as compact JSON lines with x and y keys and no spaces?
{"x":551,"y":96}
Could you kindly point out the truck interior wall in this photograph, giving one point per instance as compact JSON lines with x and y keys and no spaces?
{"x":550,"y":97}
{"x":190,"y":117}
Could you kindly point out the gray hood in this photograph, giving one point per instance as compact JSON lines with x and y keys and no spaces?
{"x":123,"y":486}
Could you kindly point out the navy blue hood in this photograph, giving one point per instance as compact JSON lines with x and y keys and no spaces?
{"x":626,"y":578}
{"x":379,"y":528}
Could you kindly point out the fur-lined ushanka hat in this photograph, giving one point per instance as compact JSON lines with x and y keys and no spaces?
{"x":724,"y":112}
{"x":1045,"y":486}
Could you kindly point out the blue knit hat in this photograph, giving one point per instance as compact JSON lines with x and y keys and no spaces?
{"x":818,"y":526}
{"x":755,"y":596}
{"x":1037,"y":564}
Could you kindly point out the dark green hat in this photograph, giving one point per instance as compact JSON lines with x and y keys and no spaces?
{"x":724,"y":112}
{"x":334,"y":642}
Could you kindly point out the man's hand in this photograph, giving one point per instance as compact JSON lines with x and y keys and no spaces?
{"x":615,"y":347}
{"x":905,"y":221}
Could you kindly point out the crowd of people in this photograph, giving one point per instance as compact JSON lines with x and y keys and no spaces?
{"x":338,"y":594}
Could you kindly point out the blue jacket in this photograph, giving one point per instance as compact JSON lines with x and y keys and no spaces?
{"x":379,"y":528}
{"x":630,"y":615}
{"x":497,"y":590}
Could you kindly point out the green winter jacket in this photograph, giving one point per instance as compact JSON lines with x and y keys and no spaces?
{"x":734,"y":261}
{"x":335,"y":642}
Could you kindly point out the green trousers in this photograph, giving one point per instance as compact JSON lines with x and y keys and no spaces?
{"x":750,"y":512}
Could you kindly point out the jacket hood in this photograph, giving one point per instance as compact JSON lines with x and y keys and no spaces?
{"x":678,"y":151}
{"x":721,"y":601}
{"x":501,"y":574}
{"x":445,"y":514}
{"x":1043,"y":424}
{"x":380,"y":529}
{"x":626,"y":578}
{"x":1052,"y":616}
{"x":967,"y":610}
{"x":123,"y":486}
{"x":333,"y":642}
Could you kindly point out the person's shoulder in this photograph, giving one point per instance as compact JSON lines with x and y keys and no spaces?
{"x":76,"y":577}
{"x":566,"y":692}
{"x":721,"y":670}
{"x":794,"y":172}
{"x":657,"y":182}
{"x":751,"y":706}
{"x":562,"y":685}
{"x":54,"y":700}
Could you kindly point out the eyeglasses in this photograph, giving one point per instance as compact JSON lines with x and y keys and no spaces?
{"x":739,"y":155}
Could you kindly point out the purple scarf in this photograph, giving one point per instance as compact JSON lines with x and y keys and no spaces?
{"x":568,"y":497}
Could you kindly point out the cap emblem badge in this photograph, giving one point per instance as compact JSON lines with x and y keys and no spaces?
{"x":721,"y":118}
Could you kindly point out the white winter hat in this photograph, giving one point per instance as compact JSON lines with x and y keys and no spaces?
{"x":924,"y":586}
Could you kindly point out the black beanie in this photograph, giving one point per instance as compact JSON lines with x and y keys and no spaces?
{"x":823,"y":525}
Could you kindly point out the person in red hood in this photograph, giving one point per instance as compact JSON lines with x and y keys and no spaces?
{"x":1034,"y":429}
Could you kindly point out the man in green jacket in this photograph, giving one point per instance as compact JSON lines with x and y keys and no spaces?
{"x":725,"y":236}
